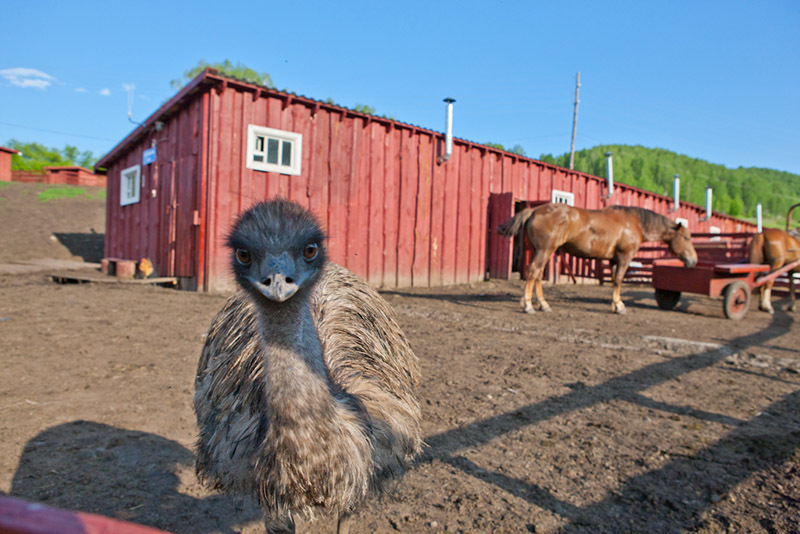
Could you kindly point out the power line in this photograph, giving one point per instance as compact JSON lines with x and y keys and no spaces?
{"x":57,"y":132}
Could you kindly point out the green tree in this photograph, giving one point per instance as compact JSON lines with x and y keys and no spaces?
{"x":516,"y":149}
{"x":36,"y":156}
{"x":736,"y":191}
{"x":238,"y":71}
{"x":363,"y":108}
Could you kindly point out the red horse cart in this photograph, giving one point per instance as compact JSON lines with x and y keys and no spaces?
{"x":733,"y":281}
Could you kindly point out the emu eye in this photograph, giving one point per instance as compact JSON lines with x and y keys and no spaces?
{"x":243,"y":256}
{"x":311,"y":251}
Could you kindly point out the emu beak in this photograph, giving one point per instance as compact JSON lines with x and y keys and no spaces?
{"x":278,"y":281}
{"x":276,"y":288}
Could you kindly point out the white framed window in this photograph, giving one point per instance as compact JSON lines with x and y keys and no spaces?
{"x":563,"y":197}
{"x":272,"y":150}
{"x":130,"y":185}
{"x":714,"y":230}
{"x":683,"y":222}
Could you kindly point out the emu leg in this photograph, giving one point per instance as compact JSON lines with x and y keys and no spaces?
{"x":279,"y":525}
{"x":343,"y":526}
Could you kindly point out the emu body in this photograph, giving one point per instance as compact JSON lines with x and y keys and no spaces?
{"x":304,"y":392}
{"x":614,"y":233}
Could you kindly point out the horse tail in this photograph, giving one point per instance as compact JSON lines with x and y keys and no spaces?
{"x":514,"y":224}
{"x":756,"y":253}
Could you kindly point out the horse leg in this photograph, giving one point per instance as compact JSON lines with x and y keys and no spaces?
{"x":525,"y":301}
{"x":619,"y":274}
{"x":792,"y":307}
{"x":764,"y":294}
{"x":535,"y":272}
{"x":543,"y":305}
{"x":766,"y":290}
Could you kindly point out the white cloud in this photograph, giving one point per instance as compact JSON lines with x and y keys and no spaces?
{"x":23,"y":77}
{"x":80,"y":90}
{"x":105,"y":92}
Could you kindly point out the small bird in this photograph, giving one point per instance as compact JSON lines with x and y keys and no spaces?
{"x":305,"y":389}
{"x":145,"y":269}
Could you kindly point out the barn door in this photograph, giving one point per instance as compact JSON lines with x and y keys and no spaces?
{"x":501,"y":208}
{"x":166,"y":220}
{"x":185,"y":218}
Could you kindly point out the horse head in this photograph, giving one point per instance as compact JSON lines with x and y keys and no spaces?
{"x":681,"y":245}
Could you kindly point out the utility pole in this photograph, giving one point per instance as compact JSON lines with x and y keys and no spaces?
{"x":574,"y":121}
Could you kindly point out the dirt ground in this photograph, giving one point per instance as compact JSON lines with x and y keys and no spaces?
{"x":572,"y":421}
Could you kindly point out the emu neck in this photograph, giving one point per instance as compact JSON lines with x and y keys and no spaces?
{"x":295,"y":372}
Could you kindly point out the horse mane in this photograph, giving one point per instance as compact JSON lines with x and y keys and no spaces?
{"x":653,"y":224}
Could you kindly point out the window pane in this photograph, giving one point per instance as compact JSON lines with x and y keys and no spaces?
{"x":130,"y":181}
{"x":272,"y":151}
{"x":258,"y":158}
{"x":259,"y":144}
{"x":286,"y":156}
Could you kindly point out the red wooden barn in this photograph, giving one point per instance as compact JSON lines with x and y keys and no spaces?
{"x":5,"y":163}
{"x":393,"y":213}
{"x":73,"y":175}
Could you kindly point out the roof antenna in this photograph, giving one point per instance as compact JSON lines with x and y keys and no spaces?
{"x":130,"y":88}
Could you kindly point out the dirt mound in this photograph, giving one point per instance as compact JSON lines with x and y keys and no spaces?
{"x":37,"y":225}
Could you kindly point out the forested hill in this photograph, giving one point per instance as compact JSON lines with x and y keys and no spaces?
{"x":736,"y":191}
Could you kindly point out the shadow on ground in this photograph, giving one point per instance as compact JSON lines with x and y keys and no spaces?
{"x":123,"y":474}
{"x":88,"y":246}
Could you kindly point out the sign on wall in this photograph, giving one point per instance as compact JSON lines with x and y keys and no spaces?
{"x":149,"y":156}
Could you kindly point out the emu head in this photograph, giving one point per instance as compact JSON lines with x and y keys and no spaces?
{"x":277,"y":250}
{"x":681,"y":245}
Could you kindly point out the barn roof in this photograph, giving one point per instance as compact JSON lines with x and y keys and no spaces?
{"x":210,"y":77}
{"x":10,"y":151}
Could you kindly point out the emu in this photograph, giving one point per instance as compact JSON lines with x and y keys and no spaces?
{"x":305,"y":389}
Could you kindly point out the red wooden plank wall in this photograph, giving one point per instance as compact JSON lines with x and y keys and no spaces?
{"x":161,"y":225}
{"x":392,"y":213}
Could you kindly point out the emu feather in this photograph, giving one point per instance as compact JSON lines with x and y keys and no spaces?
{"x":306,"y":402}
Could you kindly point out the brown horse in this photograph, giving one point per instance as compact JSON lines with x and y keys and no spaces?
{"x":776,"y":248}
{"x":613,"y":233}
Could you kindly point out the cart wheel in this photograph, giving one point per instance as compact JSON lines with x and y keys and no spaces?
{"x":666,"y":299}
{"x":736,"y":300}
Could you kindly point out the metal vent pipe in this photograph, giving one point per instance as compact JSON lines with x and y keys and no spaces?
{"x":709,"y":193}
{"x":448,"y":134}
{"x":610,"y":174}
{"x":758,"y":217}
{"x":676,"y":192}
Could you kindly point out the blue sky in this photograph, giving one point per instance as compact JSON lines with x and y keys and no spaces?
{"x":713,"y":80}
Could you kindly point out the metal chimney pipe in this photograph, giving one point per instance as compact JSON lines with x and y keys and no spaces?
{"x":758,"y":217}
{"x":448,"y":134}
{"x":708,"y":202}
{"x":610,"y":174}
{"x":676,"y":192}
